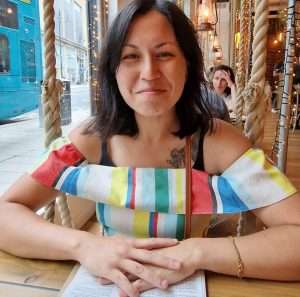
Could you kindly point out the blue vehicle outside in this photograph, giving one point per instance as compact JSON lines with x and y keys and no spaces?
{"x":20,"y":57}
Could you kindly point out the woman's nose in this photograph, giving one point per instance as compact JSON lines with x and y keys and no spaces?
{"x":150,"y":69}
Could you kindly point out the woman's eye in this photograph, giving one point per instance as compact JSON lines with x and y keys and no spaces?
{"x":165,"y":55}
{"x":130,"y":57}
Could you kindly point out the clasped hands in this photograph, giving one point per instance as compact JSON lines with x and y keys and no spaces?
{"x":136,"y":265}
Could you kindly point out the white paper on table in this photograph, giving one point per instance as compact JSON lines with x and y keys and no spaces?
{"x":85,"y":285}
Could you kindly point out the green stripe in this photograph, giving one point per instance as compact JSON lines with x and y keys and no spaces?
{"x":180,"y":227}
{"x":161,"y":190}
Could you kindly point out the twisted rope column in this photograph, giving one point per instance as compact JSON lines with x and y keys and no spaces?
{"x":52,"y":89}
{"x":241,"y":70}
{"x":233,"y":29}
{"x":250,"y":40}
{"x":255,"y":98}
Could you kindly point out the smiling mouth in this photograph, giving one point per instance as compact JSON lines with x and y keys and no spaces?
{"x":151,"y":91}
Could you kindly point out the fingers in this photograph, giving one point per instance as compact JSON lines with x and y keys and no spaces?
{"x":156,"y":259}
{"x":104,"y":281}
{"x":123,"y":283}
{"x":144,"y":273}
{"x":142,"y":285}
{"x":154,"y":243}
{"x":226,"y":74}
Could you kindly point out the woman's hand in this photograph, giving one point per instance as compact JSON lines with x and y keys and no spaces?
{"x":113,"y":258}
{"x":226,"y":76}
{"x":186,"y":252}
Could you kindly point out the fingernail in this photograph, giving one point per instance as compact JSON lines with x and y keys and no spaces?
{"x":164,"y":284}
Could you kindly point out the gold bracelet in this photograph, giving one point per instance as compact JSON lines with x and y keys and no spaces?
{"x":241,"y":266}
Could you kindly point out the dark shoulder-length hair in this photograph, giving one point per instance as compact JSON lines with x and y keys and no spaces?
{"x":229,"y":70}
{"x":114,"y":115}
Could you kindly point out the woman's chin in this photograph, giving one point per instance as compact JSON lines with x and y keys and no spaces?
{"x":152,"y":112}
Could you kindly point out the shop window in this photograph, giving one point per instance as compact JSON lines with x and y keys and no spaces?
{"x":4,"y":54}
{"x":28,"y":61}
{"x":8,"y":14}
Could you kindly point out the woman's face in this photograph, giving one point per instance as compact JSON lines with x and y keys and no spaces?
{"x":152,"y":70}
{"x":219,"y":82}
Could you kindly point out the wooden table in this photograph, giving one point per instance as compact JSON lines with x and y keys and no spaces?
{"x":35,"y":278}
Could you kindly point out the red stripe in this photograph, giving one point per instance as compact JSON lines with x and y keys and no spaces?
{"x":132,"y":196}
{"x":201,"y":194}
{"x":48,"y":172}
{"x":155,"y":223}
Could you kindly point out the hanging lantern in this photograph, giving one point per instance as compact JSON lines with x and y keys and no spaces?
{"x":216,"y":43}
{"x":218,"y":56}
{"x":206,"y":16}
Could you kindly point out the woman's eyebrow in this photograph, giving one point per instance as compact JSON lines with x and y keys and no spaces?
{"x":165,"y":43}
{"x":156,"y":46}
{"x":130,"y":45}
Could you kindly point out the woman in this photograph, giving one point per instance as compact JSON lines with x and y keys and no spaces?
{"x":223,"y":83}
{"x":150,"y":89}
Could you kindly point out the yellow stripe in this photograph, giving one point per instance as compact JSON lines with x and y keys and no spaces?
{"x":119,"y":185}
{"x":179,"y":191}
{"x":141,"y":223}
{"x":279,"y":178}
{"x":274,"y":173}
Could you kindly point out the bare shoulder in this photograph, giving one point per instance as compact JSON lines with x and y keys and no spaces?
{"x":223,"y":146}
{"x":88,"y":143}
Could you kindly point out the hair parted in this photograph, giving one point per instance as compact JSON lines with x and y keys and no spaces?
{"x":114,"y":115}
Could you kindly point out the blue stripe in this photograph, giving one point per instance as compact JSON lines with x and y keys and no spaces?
{"x":169,"y":227}
{"x":129,"y":189}
{"x":231,"y":201}
{"x":100,"y":215}
{"x":70,"y":183}
{"x":148,"y":189}
{"x":150,"y":228}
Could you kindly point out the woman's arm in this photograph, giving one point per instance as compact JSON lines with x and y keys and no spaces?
{"x":269,"y":254}
{"x":25,"y":234}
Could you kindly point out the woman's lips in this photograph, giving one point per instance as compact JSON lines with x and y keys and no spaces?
{"x":150,"y":91}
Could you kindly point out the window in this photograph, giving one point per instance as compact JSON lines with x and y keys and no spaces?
{"x":8,"y":14}
{"x":4,"y":54}
{"x":28,"y":61}
{"x":78,"y":24}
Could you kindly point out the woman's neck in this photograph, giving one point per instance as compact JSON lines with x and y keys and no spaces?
{"x":153,"y":130}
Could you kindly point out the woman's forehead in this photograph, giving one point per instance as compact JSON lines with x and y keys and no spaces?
{"x":219,"y":73}
{"x":152,"y":26}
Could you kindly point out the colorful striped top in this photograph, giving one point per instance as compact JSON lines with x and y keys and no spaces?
{"x":146,"y":202}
